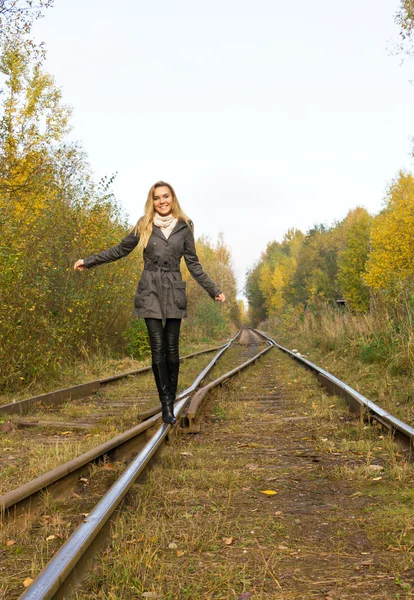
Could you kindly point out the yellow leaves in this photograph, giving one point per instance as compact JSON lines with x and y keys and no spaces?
{"x":269,"y":492}
{"x":28,"y":581}
{"x":392,"y":256}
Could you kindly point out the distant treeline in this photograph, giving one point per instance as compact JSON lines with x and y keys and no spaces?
{"x":52,"y":212}
{"x":366,"y":260}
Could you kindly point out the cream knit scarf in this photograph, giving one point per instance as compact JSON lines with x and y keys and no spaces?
{"x":166,"y":224}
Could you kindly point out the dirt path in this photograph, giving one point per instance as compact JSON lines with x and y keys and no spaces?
{"x":282,"y":496}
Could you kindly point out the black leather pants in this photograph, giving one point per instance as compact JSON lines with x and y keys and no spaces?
{"x":164,"y":340}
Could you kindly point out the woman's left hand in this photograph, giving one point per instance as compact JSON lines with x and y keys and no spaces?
{"x":220,"y":297}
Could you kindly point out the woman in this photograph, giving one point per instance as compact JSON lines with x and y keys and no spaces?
{"x":165,"y":234}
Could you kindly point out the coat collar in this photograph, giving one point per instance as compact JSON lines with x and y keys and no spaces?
{"x":178,"y":226}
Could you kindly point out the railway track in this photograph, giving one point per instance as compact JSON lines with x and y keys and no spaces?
{"x":65,"y":425}
{"x":73,"y":477}
{"x":65,"y":570}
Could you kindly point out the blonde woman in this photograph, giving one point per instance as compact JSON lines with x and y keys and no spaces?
{"x":165,"y":234}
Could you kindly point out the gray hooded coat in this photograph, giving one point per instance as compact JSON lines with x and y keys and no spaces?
{"x":161,"y":291}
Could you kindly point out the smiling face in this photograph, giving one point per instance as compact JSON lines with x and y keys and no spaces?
{"x":163,"y":200}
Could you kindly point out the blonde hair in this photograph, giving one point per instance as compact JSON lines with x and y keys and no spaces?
{"x":144,"y":224}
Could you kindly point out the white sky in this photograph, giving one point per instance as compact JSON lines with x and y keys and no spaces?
{"x":263,"y":115}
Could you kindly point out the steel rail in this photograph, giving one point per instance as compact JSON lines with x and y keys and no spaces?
{"x":358,"y":402}
{"x":189,"y":421}
{"x":24,"y":498}
{"x":22,"y":407}
{"x":60,"y":576}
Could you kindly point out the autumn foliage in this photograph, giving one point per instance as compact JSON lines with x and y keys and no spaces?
{"x":363,"y":264}
{"x":52,"y":213}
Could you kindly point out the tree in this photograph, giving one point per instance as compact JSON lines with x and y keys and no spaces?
{"x":18,"y":16}
{"x":391,"y":263}
{"x":352,"y":260}
{"x":404,"y":18}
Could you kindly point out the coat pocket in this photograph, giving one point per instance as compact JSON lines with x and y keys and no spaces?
{"x":180,"y":297}
{"x":140,"y":295}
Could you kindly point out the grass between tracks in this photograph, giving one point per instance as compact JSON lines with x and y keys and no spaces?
{"x":91,"y":368}
{"x":350,"y":347}
{"x":29,"y":452}
{"x":340,"y":525}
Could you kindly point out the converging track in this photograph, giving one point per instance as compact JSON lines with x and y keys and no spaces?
{"x":67,"y":567}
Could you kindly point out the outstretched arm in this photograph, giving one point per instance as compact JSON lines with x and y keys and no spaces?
{"x":196,"y":270}
{"x":119,"y":251}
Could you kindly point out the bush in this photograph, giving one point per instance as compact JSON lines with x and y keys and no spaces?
{"x":137,"y":340}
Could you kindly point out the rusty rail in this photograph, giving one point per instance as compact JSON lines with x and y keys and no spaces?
{"x":26,"y":498}
{"x":358,"y":403}
{"x":22,"y":407}
{"x":61,"y":575}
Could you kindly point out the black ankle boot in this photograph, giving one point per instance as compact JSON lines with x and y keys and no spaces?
{"x":166,"y":398}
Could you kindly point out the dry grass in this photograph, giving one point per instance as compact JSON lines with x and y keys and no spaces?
{"x":52,"y":445}
{"x":199,"y":527}
{"x":362,"y":350}
{"x":92,"y":367}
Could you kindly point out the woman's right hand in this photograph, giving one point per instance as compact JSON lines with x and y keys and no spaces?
{"x":79,"y":265}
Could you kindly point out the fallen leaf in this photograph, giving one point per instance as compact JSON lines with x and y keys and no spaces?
{"x":186,"y":453}
{"x":376,"y":478}
{"x":268,"y":492}
{"x":6,"y":427}
{"x":180,"y":552}
{"x":228,"y":541}
{"x":10,"y":542}
{"x":172,"y":546}
{"x":108,"y":467}
{"x":50,"y":537}
{"x":66,"y":432}
{"x":27,"y":581}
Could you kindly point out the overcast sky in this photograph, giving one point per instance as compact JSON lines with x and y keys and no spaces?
{"x":263,"y":115}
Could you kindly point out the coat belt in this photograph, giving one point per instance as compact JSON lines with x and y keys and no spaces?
{"x":151,"y":265}
{"x":160,"y":276}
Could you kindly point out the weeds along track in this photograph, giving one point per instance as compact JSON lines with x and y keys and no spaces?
{"x":66,"y":523}
{"x":359,"y":404}
{"x":70,"y":425}
{"x":77,"y":485}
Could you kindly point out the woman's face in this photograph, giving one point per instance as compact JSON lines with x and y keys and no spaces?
{"x":163,"y":200}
